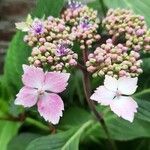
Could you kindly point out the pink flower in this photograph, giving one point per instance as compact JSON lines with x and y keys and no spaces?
{"x":42,"y":88}
{"x":115,"y":93}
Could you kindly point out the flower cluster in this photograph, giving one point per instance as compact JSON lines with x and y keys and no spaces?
{"x":122,"y":22}
{"x":114,"y":60}
{"x":48,"y":30}
{"x":51,"y":44}
{"x":116,"y":56}
{"x":84,"y":23}
{"x":57,"y":57}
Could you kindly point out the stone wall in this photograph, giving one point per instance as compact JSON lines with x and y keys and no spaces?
{"x":11,"y":11}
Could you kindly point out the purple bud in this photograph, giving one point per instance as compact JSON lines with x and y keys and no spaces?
{"x":62,"y":50}
{"x":37,"y":27}
{"x":137,"y":47}
{"x":140,"y":32}
{"x":74,"y":4}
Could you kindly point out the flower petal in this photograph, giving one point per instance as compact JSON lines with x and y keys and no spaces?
{"x":56,"y":82}
{"x":27,"y":97}
{"x":50,"y":106}
{"x":33,"y":77}
{"x":127,"y":85}
{"x":125,"y":107}
{"x":111,"y":83}
{"x":103,"y":95}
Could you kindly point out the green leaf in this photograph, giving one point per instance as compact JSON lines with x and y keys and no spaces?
{"x":7,"y":131}
{"x":138,"y":6}
{"x":18,"y":51}
{"x":68,"y":140}
{"x":119,"y":129}
{"x":21,"y":141}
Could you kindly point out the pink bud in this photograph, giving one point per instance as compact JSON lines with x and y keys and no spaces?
{"x":139,"y":32}
{"x":42,"y":40}
{"x":37,"y":63}
{"x":72,"y":62}
{"x":122,"y":73}
{"x":91,"y":69}
{"x":137,"y":47}
{"x":133,"y":68}
{"x":50,"y":59}
{"x":147,"y":39}
{"x":42,"y":48}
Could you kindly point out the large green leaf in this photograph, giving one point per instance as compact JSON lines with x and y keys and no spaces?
{"x":18,"y":52}
{"x":7,"y":131}
{"x":68,"y":140}
{"x":119,"y":129}
{"x":21,"y":141}
{"x":138,"y":6}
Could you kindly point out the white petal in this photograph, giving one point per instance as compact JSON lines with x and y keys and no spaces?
{"x":23,"y":26}
{"x":125,"y":107}
{"x":127,"y":85}
{"x":111,"y":83}
{"x":103,"y":95}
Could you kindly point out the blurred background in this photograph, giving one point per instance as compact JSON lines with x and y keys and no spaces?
{"x":11,"y":11}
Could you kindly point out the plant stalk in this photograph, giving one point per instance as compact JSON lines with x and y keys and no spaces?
{"x":87,"y":91}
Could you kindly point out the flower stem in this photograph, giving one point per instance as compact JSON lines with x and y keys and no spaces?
{"x":23,"y":118}
{"x":37,"y":123}
{"x":87,"y":91}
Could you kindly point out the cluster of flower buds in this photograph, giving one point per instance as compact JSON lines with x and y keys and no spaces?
{"x":57,"y":57}
{"x":49,"y":30}
{"x":84,"y":23}
{"x":51,"y":44}
{"x":116,"y":61}
{"x":120,"y":22}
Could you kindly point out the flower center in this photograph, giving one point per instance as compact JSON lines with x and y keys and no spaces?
{"x":62,"y":50}
{"x":118,"y":94}
{"x":38,"y":27}
{"x":41,"y":91}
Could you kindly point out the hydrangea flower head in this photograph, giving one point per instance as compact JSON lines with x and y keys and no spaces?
{"x":43,"y":88}
{"x":116,"y":94}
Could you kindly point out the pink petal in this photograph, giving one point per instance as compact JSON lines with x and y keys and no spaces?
{"x":56,"y":82}
{"x":50,"y":106}
{"x":27,"y":97}
{"x":124,"y":107}
{"x":127,"y":85}
{"x":111,"y":83}
{"x":103,"y":95}
{"x":33,"y":77}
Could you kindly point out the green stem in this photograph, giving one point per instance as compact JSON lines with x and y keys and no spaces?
{"x":37,"y":123}
{"x":87,"y":91}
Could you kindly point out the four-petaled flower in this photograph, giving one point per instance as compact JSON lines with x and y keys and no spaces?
{"x":42,"y":88}
{"x":115,"y":93}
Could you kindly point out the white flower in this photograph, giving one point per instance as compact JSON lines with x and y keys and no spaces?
{"x":25,"y":26}
{"x":116,"y":94}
